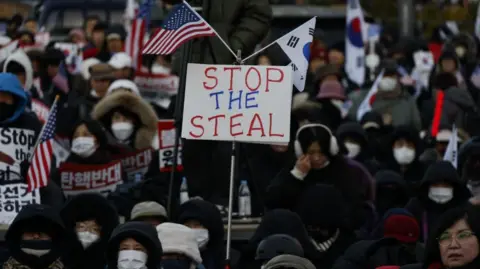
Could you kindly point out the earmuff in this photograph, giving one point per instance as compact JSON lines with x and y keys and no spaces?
{"x":333,"y":150}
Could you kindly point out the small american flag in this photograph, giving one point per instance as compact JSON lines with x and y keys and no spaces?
{"x":136,"y":35}
{"x":39,"y":170}
{"x":181,"y":25}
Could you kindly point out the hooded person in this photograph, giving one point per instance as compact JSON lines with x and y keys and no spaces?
{"x":278,"y":244}
{"x":378,"y":134}
{"x":391,"y":191}
{"x":319,"y":161}
{"x":354,"y":138}
{"x":36,"y":239}
{"x":20,"y":65}
{"x":440,"y":190}
{"x":395,"y":242}
{"x":394,"y":103}
{"x":90,"y":220}
{"x":454,"y":242}
{"x":134,"y":245}
{"x":405,"y":148}
{"x":331,"y":96}
{"x":469,"y":164}
{"x":448,"y":63}
{"x":149,"y":212}
{"x":180,"y":247}
{"x":130,"y":119}
{"x":205,"y":220}
{"x":277,"y":221}
{"x":327,"y":223}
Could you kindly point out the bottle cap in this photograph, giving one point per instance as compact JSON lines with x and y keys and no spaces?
{"x":243,"y":182}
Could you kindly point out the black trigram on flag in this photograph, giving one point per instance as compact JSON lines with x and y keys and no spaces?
{"x":311,"y":31}
{"x":293,"y":41}
{"x":294,"y":67}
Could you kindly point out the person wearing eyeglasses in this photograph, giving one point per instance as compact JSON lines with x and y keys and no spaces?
{"x":454,"y":243}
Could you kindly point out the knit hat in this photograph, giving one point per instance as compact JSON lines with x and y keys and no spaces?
{"x":331,"y":90}
{"x":401,"y":225}
{"x":148,"y":209}
{"x":289,"y":261}
{"x":86,"y":64}
{"x":179,"y":239}
{"x":123,"y":84}
{"x":116,"y":32}
{"x":371,"y":119}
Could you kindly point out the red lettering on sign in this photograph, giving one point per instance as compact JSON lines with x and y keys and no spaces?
{"x":256,"y":119}
{"x":198,"y":126}
{"x":270,"y":79}
{"x":231,"y":69}
{"x":207,"y":70}
{"x":215,"y":125}
{"x":270,"y":123}
{"x":232,"y":125}
{"x":259,"y":79}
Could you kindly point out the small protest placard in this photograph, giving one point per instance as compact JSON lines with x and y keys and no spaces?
{"x":135,"y":163}
{"x":238,"y":103}
{"x":80,"y":178}
{"x":40,"y":109}
{"x":157,"y":88}
{"x":166,"y":136}
{"x":16,"y":145}
{"x":73,"y":56}
{"x":13,"y":197}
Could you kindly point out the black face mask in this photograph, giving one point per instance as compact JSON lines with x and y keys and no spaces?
{"x":6,"y":111}
{"x":36,"y":248}
{"x":321,"y":235}
{"x":176,"y":264}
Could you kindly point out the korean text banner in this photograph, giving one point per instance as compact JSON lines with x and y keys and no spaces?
{"x":166,"y":142}
{"x":237,"y":103}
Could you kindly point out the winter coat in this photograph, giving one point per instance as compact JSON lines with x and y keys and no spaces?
{"x":458,"y":107}
{"x":425,"y":210}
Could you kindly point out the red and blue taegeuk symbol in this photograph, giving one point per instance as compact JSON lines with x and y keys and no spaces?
{"x":354,"y":32}
{"x":306,"y":50}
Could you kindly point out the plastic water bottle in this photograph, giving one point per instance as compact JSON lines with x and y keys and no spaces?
{"x":138,"y":178}
{"x":244,"y":200}
{"x":184,"y":191}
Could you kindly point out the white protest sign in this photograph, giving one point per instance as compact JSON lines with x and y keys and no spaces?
{"x":13,"y":197}
{"x":237,"y":103}
{"x":73,"y":57}
{"x":16,"y":145}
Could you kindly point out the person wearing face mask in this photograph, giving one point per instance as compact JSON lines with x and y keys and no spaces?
{"x":440,"y":190}
{"x":334,"y":103}
{"x":36,"y":239}
{"x":394,"y":103}
{"x":134,"y":245}
{"x":89,"y":146}
{"x":354,"y":139}
{"x":328,"y":223}
{"x":19,"y":63}
{"x":90,"y":220}
{"x":205,"y":220}
{"x":180,"y":247}
{"x":130,"y":119}
{"x":405,"y":147}
{"x":319,"y":161}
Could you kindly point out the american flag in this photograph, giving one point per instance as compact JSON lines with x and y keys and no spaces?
{"x":181,"y":25}
{"x":39,"y":170}
{"x":136,"y":35}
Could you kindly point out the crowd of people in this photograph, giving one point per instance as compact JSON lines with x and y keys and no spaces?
{"x":352,"y":189}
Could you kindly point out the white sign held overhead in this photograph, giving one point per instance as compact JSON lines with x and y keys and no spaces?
{"x":237,"y":103}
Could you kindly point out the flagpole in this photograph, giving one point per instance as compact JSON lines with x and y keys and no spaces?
{"x":221,"y":39}
{"x":43,"y":127}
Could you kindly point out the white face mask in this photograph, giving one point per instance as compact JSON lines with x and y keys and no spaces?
{"x":202,"y":237}
{"x":387,"y":84}
{"x":460,"y":51}
{"x":132,"y":259}
{"x":87,"y":238}
{"x":440,"y":195}
{"x":35,"y":252}
{"x":353,"y":149}
{"x":404,"y":155}
{"x":122,"y":130}
{"x":83,"y":146}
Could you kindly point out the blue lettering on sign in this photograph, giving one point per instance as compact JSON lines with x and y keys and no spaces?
{"x":235,"y":99}
{"x":253,"y":98}
{"x":216,"y":94}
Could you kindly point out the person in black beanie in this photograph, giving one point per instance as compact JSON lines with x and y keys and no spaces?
{"x":49,"y":75}
{"x":36,"y":239}
{"x":319,"y":161}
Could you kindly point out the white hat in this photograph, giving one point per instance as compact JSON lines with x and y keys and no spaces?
{"x":123,"y":83}
{"x":86,"y":64}
{"x":120,"y":60}
{"x":148,"y":209}
{"x":4,"y":40}
{"x":179,"y":239}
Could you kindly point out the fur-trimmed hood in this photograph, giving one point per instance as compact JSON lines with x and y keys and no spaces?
{"x":22,"y":59}
{"x":135,"y":104}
